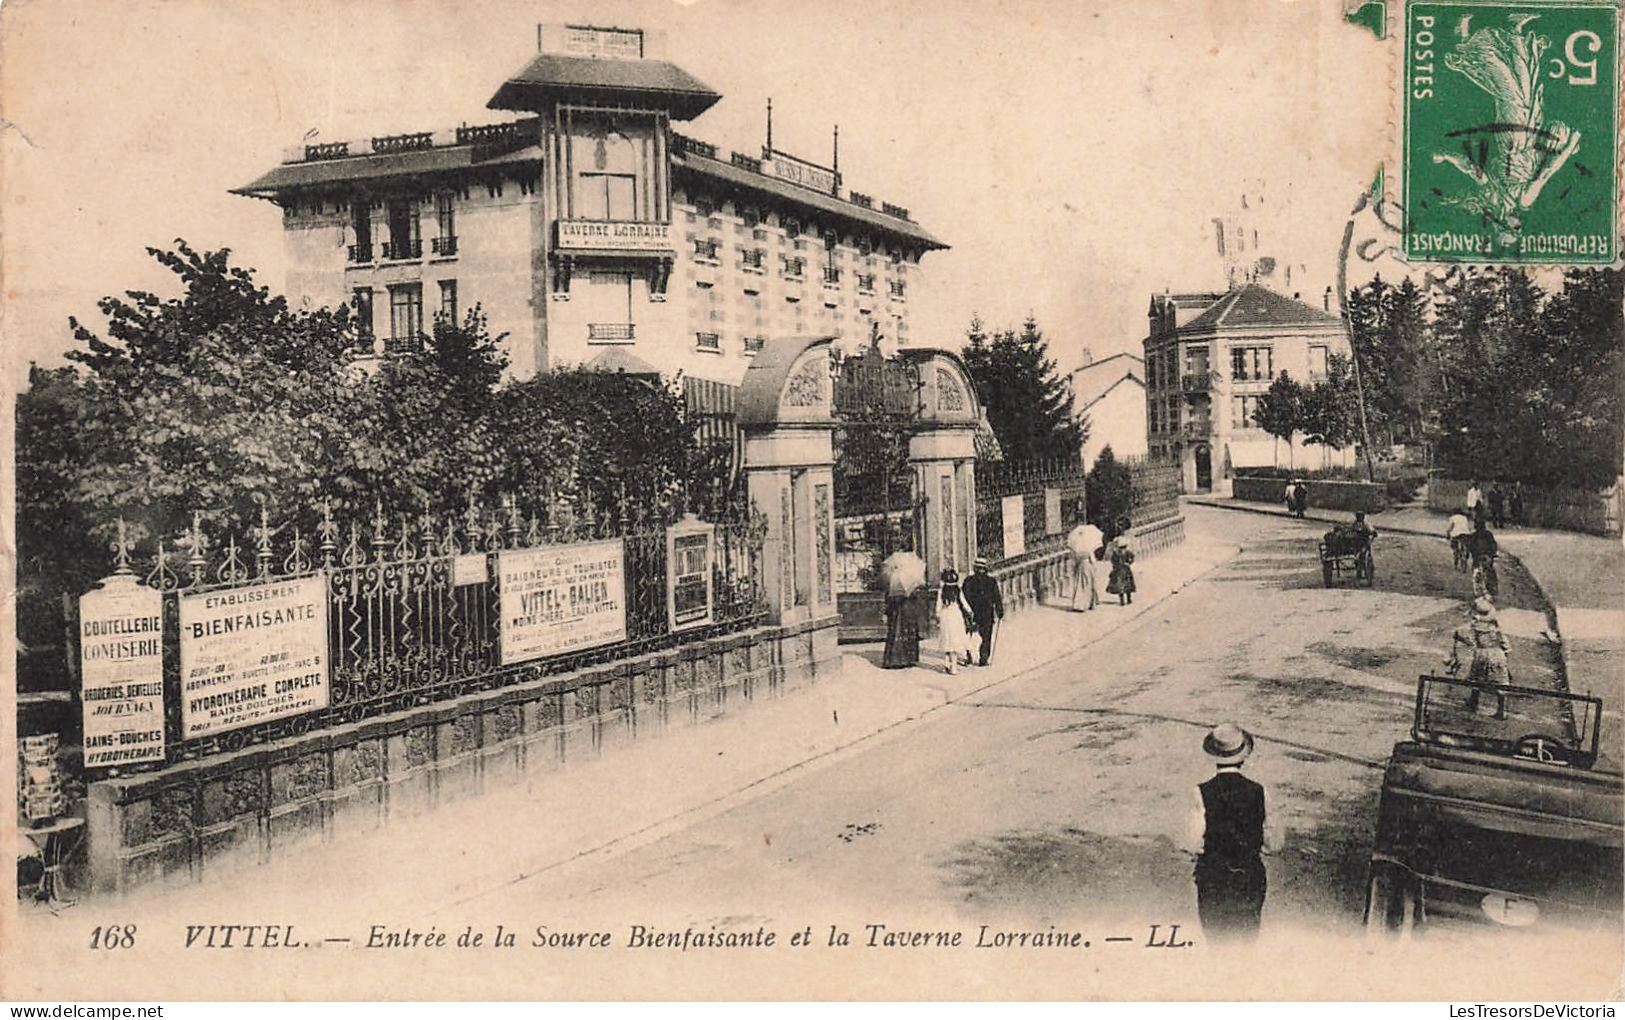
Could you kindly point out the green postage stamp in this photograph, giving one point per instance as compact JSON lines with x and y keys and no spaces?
{"x":1511,"y":131}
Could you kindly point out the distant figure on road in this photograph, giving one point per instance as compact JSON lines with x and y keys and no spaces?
{"x":1517,"y":503}
{"x":1291,"y":491}
{"x":1121,"y":582}
{"x":954,"y":615}
{"x":1300,"y":498}
{"x":1487,"y":645}
{"x":1481,"y":546}
{"x":1230,"y":828}
{"x":982,"y":592}
{"x":1497,"y":501}
{"x":1459,"y":530}
{"x":1087,"y":545}
{"x":1475,"y":502}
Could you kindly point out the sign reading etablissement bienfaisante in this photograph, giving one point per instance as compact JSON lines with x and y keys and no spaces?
{"x":121,"y":671}
{"x":251,"y":655}
{"x":559,"y":599}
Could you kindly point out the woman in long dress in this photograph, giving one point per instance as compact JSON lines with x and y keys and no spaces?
{"x":902,"y":627}
{"x":953,"y":622}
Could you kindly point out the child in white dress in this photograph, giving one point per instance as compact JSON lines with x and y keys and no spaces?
{"x":954,"y":621}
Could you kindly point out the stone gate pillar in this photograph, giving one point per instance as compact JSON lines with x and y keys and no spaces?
{"x":943,"y":453}
{"x":785,"y":413}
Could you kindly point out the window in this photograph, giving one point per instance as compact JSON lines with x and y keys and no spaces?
{"x":606,"y":196}
{"x":704,"y":207}
{"x":750,"y":216}
{"x":361,"y":223}
{"x":446,"y":222}
{"x":866,"y":283}
{"x":754,"y":344}
{"x":708,"y":342}
{"x":362,"y":300}
{"x":404,"y":242}
{"x":792,"y":228}
{"x":448,"y":302}
{"x":708,"y":300}
{"x":793,"y":267}
{"x":405,"y":315}
{"x":751,"y":258}
{"x":1243,"y":409}
{"x":1317,"y":360}
{"x":1252,"y":363}
{"x":705,"y":250}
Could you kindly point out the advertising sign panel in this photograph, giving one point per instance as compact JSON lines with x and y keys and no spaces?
{"x":251,"y":655}
{"x":121,"y":672}
{"x":558,"y":599}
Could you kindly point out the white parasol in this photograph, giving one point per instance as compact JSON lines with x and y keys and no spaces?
{"x":903,"y":573}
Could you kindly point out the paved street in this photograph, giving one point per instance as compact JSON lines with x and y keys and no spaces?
{"x":1055,"y":797}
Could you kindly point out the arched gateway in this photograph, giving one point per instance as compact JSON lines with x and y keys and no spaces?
{"x":853,"y":453}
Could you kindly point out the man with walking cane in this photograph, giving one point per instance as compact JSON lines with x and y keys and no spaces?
{"x":982,"y":592}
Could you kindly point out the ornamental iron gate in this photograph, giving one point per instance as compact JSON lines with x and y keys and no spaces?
{"x":878,"y":505}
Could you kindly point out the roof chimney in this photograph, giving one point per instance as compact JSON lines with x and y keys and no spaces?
{"x":1326,"y":300}
{"x":1088,"y":358}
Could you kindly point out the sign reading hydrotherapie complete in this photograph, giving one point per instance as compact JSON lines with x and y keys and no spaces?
{"x":121,"y":668}
{"x":558,"y":599}
{"x":250,"y":655}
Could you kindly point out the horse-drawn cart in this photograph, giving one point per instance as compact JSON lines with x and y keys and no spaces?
{"x":1347,"y":549}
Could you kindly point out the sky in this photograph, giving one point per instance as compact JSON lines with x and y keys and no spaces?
{"x":1073,"y":154}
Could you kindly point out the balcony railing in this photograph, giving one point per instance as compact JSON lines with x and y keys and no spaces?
{"x":1200,"y":429}
{"x":1197,"y":382}
{"x":794,"y":268}
{"x":403,"y":143}
{"x":898,"y":289}
{"x":404,"y":344}
{"x":444,"y":245}
{"x":611,"y":332}
{"x":327,"y":150}
{"x":708,"y":341}
{"x":832,"y":274}
{"x":754,"y":344}
{"x":360,"y":253}
{"x":706,"y":250}
{"x":403,"y":249}
{"x":866,"y":283}
{"x":751,"y":258}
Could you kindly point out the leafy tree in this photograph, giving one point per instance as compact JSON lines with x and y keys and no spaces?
{"x":1398,"y":358}
{"x":1028,"y":405}
{"x":1328,"y":407}
{"x":1108,"y":492}
{"x":1280,"y":412}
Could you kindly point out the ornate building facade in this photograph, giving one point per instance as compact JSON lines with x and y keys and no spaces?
{"x":589,"y":230}
{"x":1208,"y":359}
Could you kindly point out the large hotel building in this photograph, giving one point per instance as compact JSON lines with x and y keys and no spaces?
{"x":589,"y":230}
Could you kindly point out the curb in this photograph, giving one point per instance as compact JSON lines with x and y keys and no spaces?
{"x":1552,"y":620}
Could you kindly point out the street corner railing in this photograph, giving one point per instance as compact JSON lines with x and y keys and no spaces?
{"x":415,"y":607}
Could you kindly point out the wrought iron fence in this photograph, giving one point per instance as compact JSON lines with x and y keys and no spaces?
{"x":413,"y":606}
{"x":1154,"y":489}
{"x":1052,"y":503}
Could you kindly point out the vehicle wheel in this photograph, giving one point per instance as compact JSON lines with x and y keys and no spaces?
{"x":1326,"y":572}
{"x":1390,"y":905}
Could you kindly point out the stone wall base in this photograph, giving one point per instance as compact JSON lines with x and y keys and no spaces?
{"x":209,"y":816}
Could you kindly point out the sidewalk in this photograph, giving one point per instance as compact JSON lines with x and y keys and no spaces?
{"x":647,"y":788}
{"x":1581,"y":576}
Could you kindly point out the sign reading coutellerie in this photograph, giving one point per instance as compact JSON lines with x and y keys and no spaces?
{"x":576,"y":235}
{"x":558,"y":599}
{"x":250,"y":655}
{"x":121,"y":669}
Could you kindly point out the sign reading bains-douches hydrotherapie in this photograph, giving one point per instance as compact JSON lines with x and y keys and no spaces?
{"x":250,"y":655}
{"x":121,"y":672}
{"x":558,"y":599}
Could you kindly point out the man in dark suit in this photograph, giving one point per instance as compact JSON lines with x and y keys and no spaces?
{"x":1230,"y":829}
{"x":982,"y":592}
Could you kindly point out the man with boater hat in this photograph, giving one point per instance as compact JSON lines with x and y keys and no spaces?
{"x":1230,"y":829}
{"x":986,"y":603}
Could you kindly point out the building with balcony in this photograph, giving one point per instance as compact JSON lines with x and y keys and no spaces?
{"x":1111,"y":392}
{"x":589,"y":225}
{"x":1208,"y":359}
